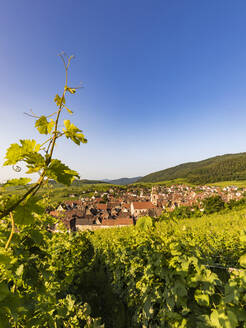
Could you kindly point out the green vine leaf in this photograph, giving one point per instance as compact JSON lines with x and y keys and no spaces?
{"x":35,"y":162}
{"x":61,"y":173}
{"x":16,"y":153}
{"x":73,"y":133}
{"x":13,"y":155}
{"x":220,"y":319}
{"x":201,"y":298}
{"x":24,"y":214}
{"x":44,"y":126}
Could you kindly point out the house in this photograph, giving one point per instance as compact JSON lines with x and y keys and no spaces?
{"x":140,"y":208}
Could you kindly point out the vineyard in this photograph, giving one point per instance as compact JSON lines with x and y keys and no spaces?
{"x":183,"y":274}
{"x":189,"y":273}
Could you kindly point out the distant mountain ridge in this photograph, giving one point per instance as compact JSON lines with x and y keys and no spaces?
{"x":219,"y":168}
{"x":122,"y":181}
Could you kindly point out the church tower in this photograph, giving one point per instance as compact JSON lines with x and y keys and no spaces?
{"x":154,"y":196}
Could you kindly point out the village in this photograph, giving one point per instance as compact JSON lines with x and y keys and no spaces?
{"x":116,"y":208}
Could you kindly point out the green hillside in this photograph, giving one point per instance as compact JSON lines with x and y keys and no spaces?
{"x":220,"y":168}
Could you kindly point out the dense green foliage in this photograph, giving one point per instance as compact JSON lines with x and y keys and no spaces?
{"x":219,"y":168}
{"x":37,"y":277}
{"x":178,"y":274}
{"x":213,"y":204}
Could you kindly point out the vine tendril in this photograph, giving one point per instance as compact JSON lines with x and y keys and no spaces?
{"x":16,"y":168}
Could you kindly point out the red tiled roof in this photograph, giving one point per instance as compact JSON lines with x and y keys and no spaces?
{"x":123,"y":215}
{"x":119,"y":221}
{"x":101,"y":206}
{"x":142,"y":205}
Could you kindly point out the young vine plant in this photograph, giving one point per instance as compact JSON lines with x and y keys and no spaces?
{"x":38,"y":158}
{"x":33,"y":293}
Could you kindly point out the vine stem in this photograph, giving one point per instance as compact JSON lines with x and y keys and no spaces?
{"x":33,"y":190}
{"x":53,"y":140}
{"x":12,"y":230}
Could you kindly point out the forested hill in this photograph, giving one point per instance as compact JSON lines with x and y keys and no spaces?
{"x":220,"y":168}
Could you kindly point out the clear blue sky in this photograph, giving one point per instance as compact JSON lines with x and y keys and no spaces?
{"x":165,"y":81}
